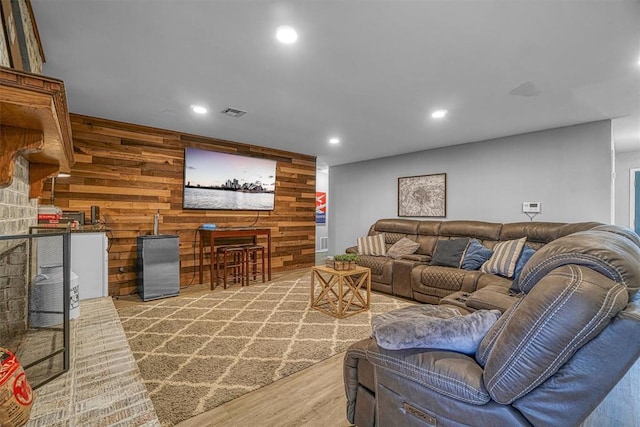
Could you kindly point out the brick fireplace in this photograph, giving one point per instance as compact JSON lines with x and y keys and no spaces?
{"x":18,"y":213}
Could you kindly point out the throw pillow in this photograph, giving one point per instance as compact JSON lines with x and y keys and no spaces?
{"x":372,"y":245}
{"x":475,"y":256}
{"x":402,"y":247}
{"x":504,"y":258}
{"x":527,"y":252}
{"x":432,"y":326}
{"x":449,"y":253}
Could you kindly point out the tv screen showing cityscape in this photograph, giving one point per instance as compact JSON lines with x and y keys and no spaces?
{"x":221,"y":181}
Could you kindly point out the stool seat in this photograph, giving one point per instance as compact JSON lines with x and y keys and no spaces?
{"x":231,"y":260}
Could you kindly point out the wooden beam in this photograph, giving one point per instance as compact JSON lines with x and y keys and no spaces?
{"x":35,"y":124}
{"x":38,"y":174}
{"x":16,"y":141}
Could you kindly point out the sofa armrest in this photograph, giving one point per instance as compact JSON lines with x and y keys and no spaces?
{"x":401,"y":277}
{"x":452,"y":374}
{"x":351,"y":250}
{"x":354,"y":359}
{"x":417,"y":257}
{"x":492,"y":297}
{"x":459,"y":301}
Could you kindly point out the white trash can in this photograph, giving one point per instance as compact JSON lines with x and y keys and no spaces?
{"x":46,"y":295}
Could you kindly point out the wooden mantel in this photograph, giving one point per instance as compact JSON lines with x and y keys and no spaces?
{"x":34,"y":123}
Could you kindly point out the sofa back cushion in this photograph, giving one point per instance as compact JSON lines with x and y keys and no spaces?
{"x":621,"y":231}
{"x":541,"y":331}
{"x":396,"y":225}
{"x":574,"y":227}
{"x":391,"y":239}
{"x":535,"y":232}
{"x":475,"y":229}
{"x":611,"y":254}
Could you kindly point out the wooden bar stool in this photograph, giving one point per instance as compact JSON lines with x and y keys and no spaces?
{"x":231,"y":260}
{"x":251,"y":257}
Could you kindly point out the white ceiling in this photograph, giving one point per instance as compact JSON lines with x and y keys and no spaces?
{"x":369,"y":72}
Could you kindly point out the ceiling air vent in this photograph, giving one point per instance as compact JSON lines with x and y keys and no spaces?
{"x":233,"y":112}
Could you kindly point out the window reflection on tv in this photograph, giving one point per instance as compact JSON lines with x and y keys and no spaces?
{"x":214,"y":180}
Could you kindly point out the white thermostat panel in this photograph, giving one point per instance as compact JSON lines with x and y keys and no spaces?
{"x":531,"y":207}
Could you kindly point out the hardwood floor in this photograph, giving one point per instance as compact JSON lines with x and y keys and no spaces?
{"x":312,"y":397}
{"x":315,"y":397}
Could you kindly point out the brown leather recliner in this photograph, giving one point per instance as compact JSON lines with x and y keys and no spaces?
{"x":551,"y":358}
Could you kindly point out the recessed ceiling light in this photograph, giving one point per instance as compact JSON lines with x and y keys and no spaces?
{"x":286,"y":34}
{"x":438,"y":114}
{"x":199,"y":109}
{"x":334,"y":140}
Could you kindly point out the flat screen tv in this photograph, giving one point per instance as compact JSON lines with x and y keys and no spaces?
{"x":220,"y":181}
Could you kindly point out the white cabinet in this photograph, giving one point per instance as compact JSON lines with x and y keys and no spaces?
{"x":89,"y":261}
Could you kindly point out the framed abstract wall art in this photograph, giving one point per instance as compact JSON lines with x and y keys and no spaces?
{"x":422,"y":196}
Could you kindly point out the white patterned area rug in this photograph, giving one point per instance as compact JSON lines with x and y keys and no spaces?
{"x":197,"y":352}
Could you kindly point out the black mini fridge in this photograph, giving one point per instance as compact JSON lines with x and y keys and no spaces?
{"x":158,"y":273}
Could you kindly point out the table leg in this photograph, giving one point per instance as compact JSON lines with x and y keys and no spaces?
{"x":200,"y":267}
{"x":212,"y":260}
{"x":313,"y":286}
{"x":269,"y":253}
{"x":340,"y":297}
{"x":368,"y":273}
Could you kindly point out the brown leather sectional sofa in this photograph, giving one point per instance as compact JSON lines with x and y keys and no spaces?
{"x":564,"y":340}
{"x":412,"y":277}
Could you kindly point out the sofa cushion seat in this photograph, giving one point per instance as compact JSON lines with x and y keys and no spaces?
{"x":446,"y":372}
{"x":485,"y":280}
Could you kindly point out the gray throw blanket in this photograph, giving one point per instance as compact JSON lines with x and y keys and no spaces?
{"x":432,"y":326}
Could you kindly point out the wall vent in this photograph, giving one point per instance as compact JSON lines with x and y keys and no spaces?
{"x":324,"y":243}
{"x":233,"y":112}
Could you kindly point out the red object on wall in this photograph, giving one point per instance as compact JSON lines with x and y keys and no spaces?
{"x":321,"y":207}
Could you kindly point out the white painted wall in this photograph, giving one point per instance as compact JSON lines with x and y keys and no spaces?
{"x":625,"y":161}
{"x":322,"y":184}
{"x":567,"y":169}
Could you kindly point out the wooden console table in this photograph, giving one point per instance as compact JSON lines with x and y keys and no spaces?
{"x":208,"y":236}
{"x":347,"y":299}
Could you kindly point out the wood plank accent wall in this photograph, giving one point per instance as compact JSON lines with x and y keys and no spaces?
{"x":131,"y":171}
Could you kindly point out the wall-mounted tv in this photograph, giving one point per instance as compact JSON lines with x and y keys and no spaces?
{"x":214,"y":180}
